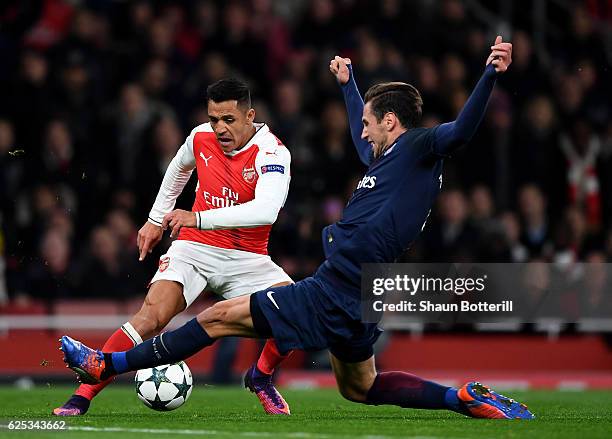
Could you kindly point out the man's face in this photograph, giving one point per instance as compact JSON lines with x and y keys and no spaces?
{"x":232,"y":123}
{"x":373,"y":131}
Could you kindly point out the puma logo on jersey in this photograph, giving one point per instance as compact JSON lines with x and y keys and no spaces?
{"x":367,"y":182}
{"x":206,"y":159}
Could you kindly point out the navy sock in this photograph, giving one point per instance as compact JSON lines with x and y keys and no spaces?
{"x":168,"y":347}
{"x":410,"y":391}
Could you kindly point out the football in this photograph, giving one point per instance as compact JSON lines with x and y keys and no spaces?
{"x":166,"y":387}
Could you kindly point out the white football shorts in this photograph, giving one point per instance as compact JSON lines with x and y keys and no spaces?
{"x":226,"y":272}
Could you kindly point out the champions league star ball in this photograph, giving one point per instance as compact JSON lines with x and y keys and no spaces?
{"x":166,"y":387}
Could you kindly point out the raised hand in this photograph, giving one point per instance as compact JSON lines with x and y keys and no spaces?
{"x":339,"y":67}
{"x":501,"y":55}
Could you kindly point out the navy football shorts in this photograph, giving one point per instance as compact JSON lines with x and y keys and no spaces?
{"x":305,"y":316}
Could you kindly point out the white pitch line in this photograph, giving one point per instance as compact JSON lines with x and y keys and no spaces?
{"x":297,"y":435}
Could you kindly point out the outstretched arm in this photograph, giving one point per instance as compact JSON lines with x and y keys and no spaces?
{"x":343,"y":70}
{"x":450,"y":136}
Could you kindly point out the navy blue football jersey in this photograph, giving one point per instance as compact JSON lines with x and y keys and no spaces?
{"x":392,"y":201}
{"x":389,"y":206}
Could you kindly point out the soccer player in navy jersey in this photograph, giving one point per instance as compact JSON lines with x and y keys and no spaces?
{"x":382,"y":218}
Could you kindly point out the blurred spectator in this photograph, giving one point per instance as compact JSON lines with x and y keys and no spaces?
{"x":536,"y":229}
{"x":155,"y":79}
{"x":52,"y":274}
{"x":453,"y":72}
{"x":58,"y":156}
{"x":107,"y":270}
{"x":212,"y":68}
{"x":512,"y":230}
{"x":451,"y":237}
{"x":570,"y":95}
{"x":485,"y":160}
{"x":493,"y":243}
{"x":269,"y":28}
{"x":318,"y":27}
{"x":373,"y":66}
{"x":537,"y":158}
{"x":537,"y":288}
{"x":239,"y":45}
{"x":451,"y":27}
{"x":526,"y":78}
{"x":581,"y":149}
{"x":335,"y":160}
{"x":596,"y":108}
{"x":124,"y":229}
{"x":477,"y":48}
{"x":583,"y":39}
{"x":428,"y":82}
{"x":165,"y":140}
{"x":570,"y":237}
{"x":129,"y":122}
{"x":597,"y":280}
{"x":74,"y":98}
{"x":482,"y":207}
{"x":290,"y":124}
{"x":11,"y":168}
{"x":30,"y":101}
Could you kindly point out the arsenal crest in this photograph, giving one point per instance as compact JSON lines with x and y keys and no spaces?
{"x":163,"y":264}
{"x":249,"y":174}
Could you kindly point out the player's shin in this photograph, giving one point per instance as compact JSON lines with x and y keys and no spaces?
{"x":270,"y":358}
{"x":122,"y":339}
{"x":409,"y":391}
{"x":168,"y":347}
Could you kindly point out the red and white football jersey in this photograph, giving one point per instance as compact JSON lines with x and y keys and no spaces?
{"x":245,"y":188}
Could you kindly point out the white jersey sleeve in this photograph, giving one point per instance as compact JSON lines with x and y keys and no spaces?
{"x":176,"y":177}
{"x":273,"y":169}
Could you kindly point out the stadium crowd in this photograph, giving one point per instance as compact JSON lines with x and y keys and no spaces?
{"x":98,"y":95}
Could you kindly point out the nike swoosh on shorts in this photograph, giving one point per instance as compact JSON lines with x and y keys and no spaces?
{"x":269,"y":294}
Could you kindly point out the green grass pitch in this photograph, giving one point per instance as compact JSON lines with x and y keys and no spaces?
{"x":235,"y":413}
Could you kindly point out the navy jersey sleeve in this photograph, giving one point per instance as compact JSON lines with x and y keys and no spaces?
{"x":354,"y":107}
{"x":450,"y":136}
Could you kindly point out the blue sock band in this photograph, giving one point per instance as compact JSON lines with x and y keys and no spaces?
{"x":120,"y":363}
{"x":452,"y":400}
{"x":166,"y":348}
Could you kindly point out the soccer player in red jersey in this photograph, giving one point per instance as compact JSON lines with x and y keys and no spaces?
{"x":243,"y":180}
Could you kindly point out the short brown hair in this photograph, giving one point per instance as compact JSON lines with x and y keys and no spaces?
{"x":402,"y":99}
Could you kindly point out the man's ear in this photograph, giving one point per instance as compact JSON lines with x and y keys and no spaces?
{"x":250,"y":115}
{"x":390,"y":120}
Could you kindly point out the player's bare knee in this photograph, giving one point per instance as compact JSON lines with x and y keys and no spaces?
{"x":353,"y":393}
{"x":214,"y":314}
{"x":151,"y":318}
